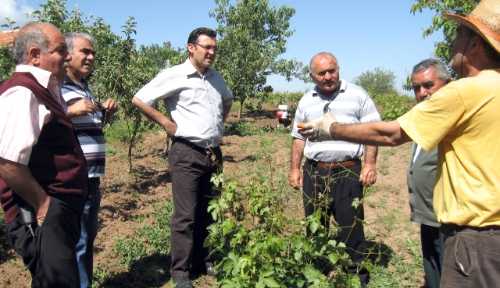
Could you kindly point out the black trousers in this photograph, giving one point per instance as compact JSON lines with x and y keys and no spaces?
{"x":334,"y":191}
{"x":432,"y":251}
{"x":49,"y":253}
{"x":191,"y":169}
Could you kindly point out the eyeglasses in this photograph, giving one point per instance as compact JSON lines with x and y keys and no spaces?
{"x":207,"y":47}
{"x":425,"y":85}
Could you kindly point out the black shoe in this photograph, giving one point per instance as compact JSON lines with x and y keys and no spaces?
{"x":183,"y":283}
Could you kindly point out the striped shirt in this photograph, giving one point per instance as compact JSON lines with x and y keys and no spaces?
{"x":88,"y":129}
{"x":350,"y":104}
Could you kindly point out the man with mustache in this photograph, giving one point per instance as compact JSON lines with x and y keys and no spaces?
{"x":426,"y":78}
{"x":88,"y":117}
{"x":42,"y":168}
{"x":333,"y":176}
{"x":198,"y":101}
{"x":462,"y":120}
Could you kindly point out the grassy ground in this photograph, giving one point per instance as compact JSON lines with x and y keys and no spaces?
{"x":133,"y":241}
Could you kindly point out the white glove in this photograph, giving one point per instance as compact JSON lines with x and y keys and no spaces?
{"x":318,"y":129}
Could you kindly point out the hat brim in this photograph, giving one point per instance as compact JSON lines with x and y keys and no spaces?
{"x":477,"y":26}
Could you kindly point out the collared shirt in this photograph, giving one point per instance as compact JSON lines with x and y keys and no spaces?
{"x":351,"y":104}
{"x":462,"y":120}
{"x":88,"y":128}
{"x":22,"y":116}
{"x":195,"y":102}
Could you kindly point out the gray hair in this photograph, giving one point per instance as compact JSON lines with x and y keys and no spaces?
{"x":71,"y":36}
{"x":441,"y":70}
{"x":321,"y":54}
{"x":30,"y":34}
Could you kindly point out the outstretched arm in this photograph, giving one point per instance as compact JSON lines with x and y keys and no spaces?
{"x":373,"y":133}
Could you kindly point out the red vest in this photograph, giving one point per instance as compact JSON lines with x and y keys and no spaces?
{"x":57,"y":162}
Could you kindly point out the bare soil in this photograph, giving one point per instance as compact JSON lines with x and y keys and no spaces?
{"x":128,"y":197}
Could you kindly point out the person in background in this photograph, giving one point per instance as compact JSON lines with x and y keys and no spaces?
{"x":88,"y":118}
{"x":427,"y":77}
{"x":332,"y":171}
{"x":198,"y":101}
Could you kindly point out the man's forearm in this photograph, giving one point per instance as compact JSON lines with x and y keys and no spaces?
{"x":297,"y":153}
{"x":154,"y":114}
{"x":19,"y":179}
{"x":371,"y":153}
{"x":373,"y":133}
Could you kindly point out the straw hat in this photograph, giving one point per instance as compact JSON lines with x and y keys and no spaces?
{"x":484,"y":20}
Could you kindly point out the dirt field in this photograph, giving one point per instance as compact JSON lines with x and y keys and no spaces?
{"x":128,"y":198}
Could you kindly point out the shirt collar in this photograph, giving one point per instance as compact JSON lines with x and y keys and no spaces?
{"x":69,"y":81}
{"x":189,"y":69}
{"x":342,"y":88}
{"x":42,"y":76}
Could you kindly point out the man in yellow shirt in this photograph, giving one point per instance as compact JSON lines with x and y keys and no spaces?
{"x":462,"y":119}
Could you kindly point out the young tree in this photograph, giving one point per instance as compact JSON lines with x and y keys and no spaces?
{"x":252,"y":37}
{"x":377,"y":82}
{"x":120,"y":68}
{"x":443,"y":48}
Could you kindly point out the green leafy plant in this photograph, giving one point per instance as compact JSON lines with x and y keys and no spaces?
{"x":258,"y":246}
{"x":150,"y":239}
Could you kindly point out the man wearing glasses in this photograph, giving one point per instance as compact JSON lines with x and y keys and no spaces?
{"x":198,"y":101}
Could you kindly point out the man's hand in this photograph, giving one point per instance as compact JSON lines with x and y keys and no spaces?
{"x":368,"y":175}
{"x":110,"y":106}
{"x":81,"y":107}
{"x":170,"y":127}
{"x":295,"y":178}
{"x":317,"y":129}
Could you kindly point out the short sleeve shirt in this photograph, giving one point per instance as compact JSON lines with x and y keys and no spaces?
{"x":22,"y":117}
{"x":88,"y":128}
{"x":462,"y":119}
{"x":351,"y":104}
{"x":195,"y":102}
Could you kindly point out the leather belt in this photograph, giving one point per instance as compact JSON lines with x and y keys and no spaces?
{"x":334,"y":165}
{"x":452,"y":229}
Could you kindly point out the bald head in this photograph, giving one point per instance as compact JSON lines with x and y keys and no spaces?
{"x":41,"y":45}
{"x":324,"y":71}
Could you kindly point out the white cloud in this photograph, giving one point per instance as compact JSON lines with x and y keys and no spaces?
{"x":16,"y":10}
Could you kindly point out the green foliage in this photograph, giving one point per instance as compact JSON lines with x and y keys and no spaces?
{"x":252,"y":37}
{"x":290,"y":98}
{"x":377,"y":82}
{"x":6,"y":63}
{"x":120,"y":67}
{"x":258,"y":246}
{"x":151,"y":239}
{"x":392,"y":105}
{"x":443,"y":48}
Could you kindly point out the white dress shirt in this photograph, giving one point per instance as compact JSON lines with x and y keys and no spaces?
{"x":195,"y":102}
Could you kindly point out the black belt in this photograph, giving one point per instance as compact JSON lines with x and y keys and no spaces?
{"x":190,"y":144}
{"x":334,"y":165}
{"x":452,"y":229}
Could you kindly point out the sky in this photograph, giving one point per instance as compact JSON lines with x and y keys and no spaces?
{"x":362,"y":34}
